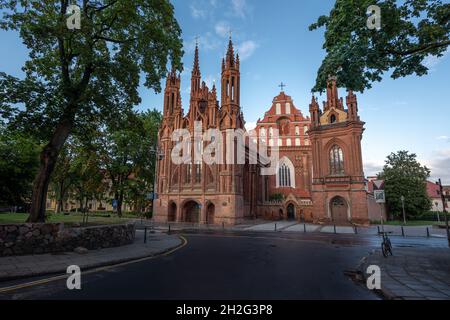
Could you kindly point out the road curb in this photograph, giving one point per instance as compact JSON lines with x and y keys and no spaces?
{"x":99,"y":265}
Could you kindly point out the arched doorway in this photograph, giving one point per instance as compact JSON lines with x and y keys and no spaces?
{"x":339,"y":209}
{"x":172,"y":216}
{"x":291,"y":212}
{"x":210,"y":211}
{"x":191,"y":212}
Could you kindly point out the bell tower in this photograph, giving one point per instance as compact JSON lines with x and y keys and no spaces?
{"x":231,"y":83}
{"x":338,"y":188}
{"x":172,"y":97}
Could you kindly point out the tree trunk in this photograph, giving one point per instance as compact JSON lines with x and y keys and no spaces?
{"x":48,"y":160}
{"x":59,"y":206}
{"x":119,"y":205}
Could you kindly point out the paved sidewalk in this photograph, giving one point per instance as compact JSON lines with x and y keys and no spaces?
{"x":33,"y":265}
{"x":294,"y":226}
{"x":413,"y":273}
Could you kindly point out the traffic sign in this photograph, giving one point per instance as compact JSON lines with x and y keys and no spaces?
{"x":380,"y":196}
{"x":378,"y":184}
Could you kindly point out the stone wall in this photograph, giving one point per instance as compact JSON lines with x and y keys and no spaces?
{"x":38,"y":238}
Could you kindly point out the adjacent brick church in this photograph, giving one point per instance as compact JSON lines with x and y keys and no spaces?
{"x":319,"y":175}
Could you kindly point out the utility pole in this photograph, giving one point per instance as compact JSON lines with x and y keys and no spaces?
{"x":441,"y":190}
{"x":403,"y":207}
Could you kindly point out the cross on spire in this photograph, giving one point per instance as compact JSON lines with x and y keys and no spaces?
{"x":282,"y":85}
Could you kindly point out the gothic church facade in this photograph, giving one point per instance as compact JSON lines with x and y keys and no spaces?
{"x":319,"y":175}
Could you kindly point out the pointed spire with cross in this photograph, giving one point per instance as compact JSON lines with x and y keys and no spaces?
{"x":282,"y":85}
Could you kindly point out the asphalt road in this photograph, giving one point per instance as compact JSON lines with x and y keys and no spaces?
{"x":254,"y":266}
{"x":220,"y":266}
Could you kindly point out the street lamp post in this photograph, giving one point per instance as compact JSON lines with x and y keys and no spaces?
{"x":159,"y":155}
{"x":403,"y":207}
{"x":441,"y":190}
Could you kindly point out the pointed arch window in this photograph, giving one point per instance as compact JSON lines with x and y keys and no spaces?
{"x":336,"y":160}
{"x":285,"y":174}
{"x":333,"y":118}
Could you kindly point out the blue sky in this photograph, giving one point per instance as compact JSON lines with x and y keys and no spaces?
{"x":275,"y":45}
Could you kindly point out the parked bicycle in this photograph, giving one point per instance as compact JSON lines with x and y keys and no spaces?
{"x":386,"y":246}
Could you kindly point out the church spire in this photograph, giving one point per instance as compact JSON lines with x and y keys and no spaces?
{"x":230,"y":54}
{"x":196,"y":76}
{"x":196,"y":68}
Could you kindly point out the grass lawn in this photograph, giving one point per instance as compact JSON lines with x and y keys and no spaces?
{"x":68,"y":220}
{"x":408,"y":223}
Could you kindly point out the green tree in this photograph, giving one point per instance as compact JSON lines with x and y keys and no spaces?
{"x":63,"y":176}
{"x":88,"y":177}
{"x":19,"y":161}
{"x":410,"y":32}
{"x":405,"y":176}
{"x":73,"y":77}
{"x":125,"y":154}
{"x":144,"y":171}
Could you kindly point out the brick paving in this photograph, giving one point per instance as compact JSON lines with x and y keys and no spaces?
{"x":413,"y":273}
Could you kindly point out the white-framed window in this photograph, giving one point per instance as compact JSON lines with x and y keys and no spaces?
{"x":307,"y":142}
{"x":297,"y":141}
{"x":305,"y":130}
{"x":288,"y":142}
{"x":270,"y":132}
{"x":263,"y":132}
{"x":270,"y":142}
{"x":297,"y":130}
{"x":288,"y":108}
{"x":278,"y":108}
{"x":280,"y":142}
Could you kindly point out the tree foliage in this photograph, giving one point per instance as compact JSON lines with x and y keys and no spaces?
{"x":405,"y":176}
{"x":410,"y":31}
{"x":124,"y":151}
{"x":74,"y":77}
{"x":19,"y":160}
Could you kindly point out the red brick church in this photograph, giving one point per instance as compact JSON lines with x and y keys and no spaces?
{"x":319,"y":175}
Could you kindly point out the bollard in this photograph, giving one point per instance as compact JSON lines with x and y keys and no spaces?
{"x":275,"y":227}
{"x":169,"y":227}
{"x":304,"y":227}
{"x":334,"y":228}
{"x":378,"y":228}
{"x":428,"y":232}
{"x":356,"y":230}
{"x":145,"y":235}
{"x":403,"y":232}
{"x":223,"y":225}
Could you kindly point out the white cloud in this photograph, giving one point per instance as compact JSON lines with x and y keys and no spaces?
{"x":444,"y":138}
{"x":196,"y":12}
{"x":206,"y":42}
{"x":431,"y":62}
{"x":246,"y":49}
{"x":439,"y":166}
{"x":400,"y":103}
{"x":250,"y":125}
{"x":239,"y":8}
{"x":222,"y":29}
{"x":372,"y":168}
